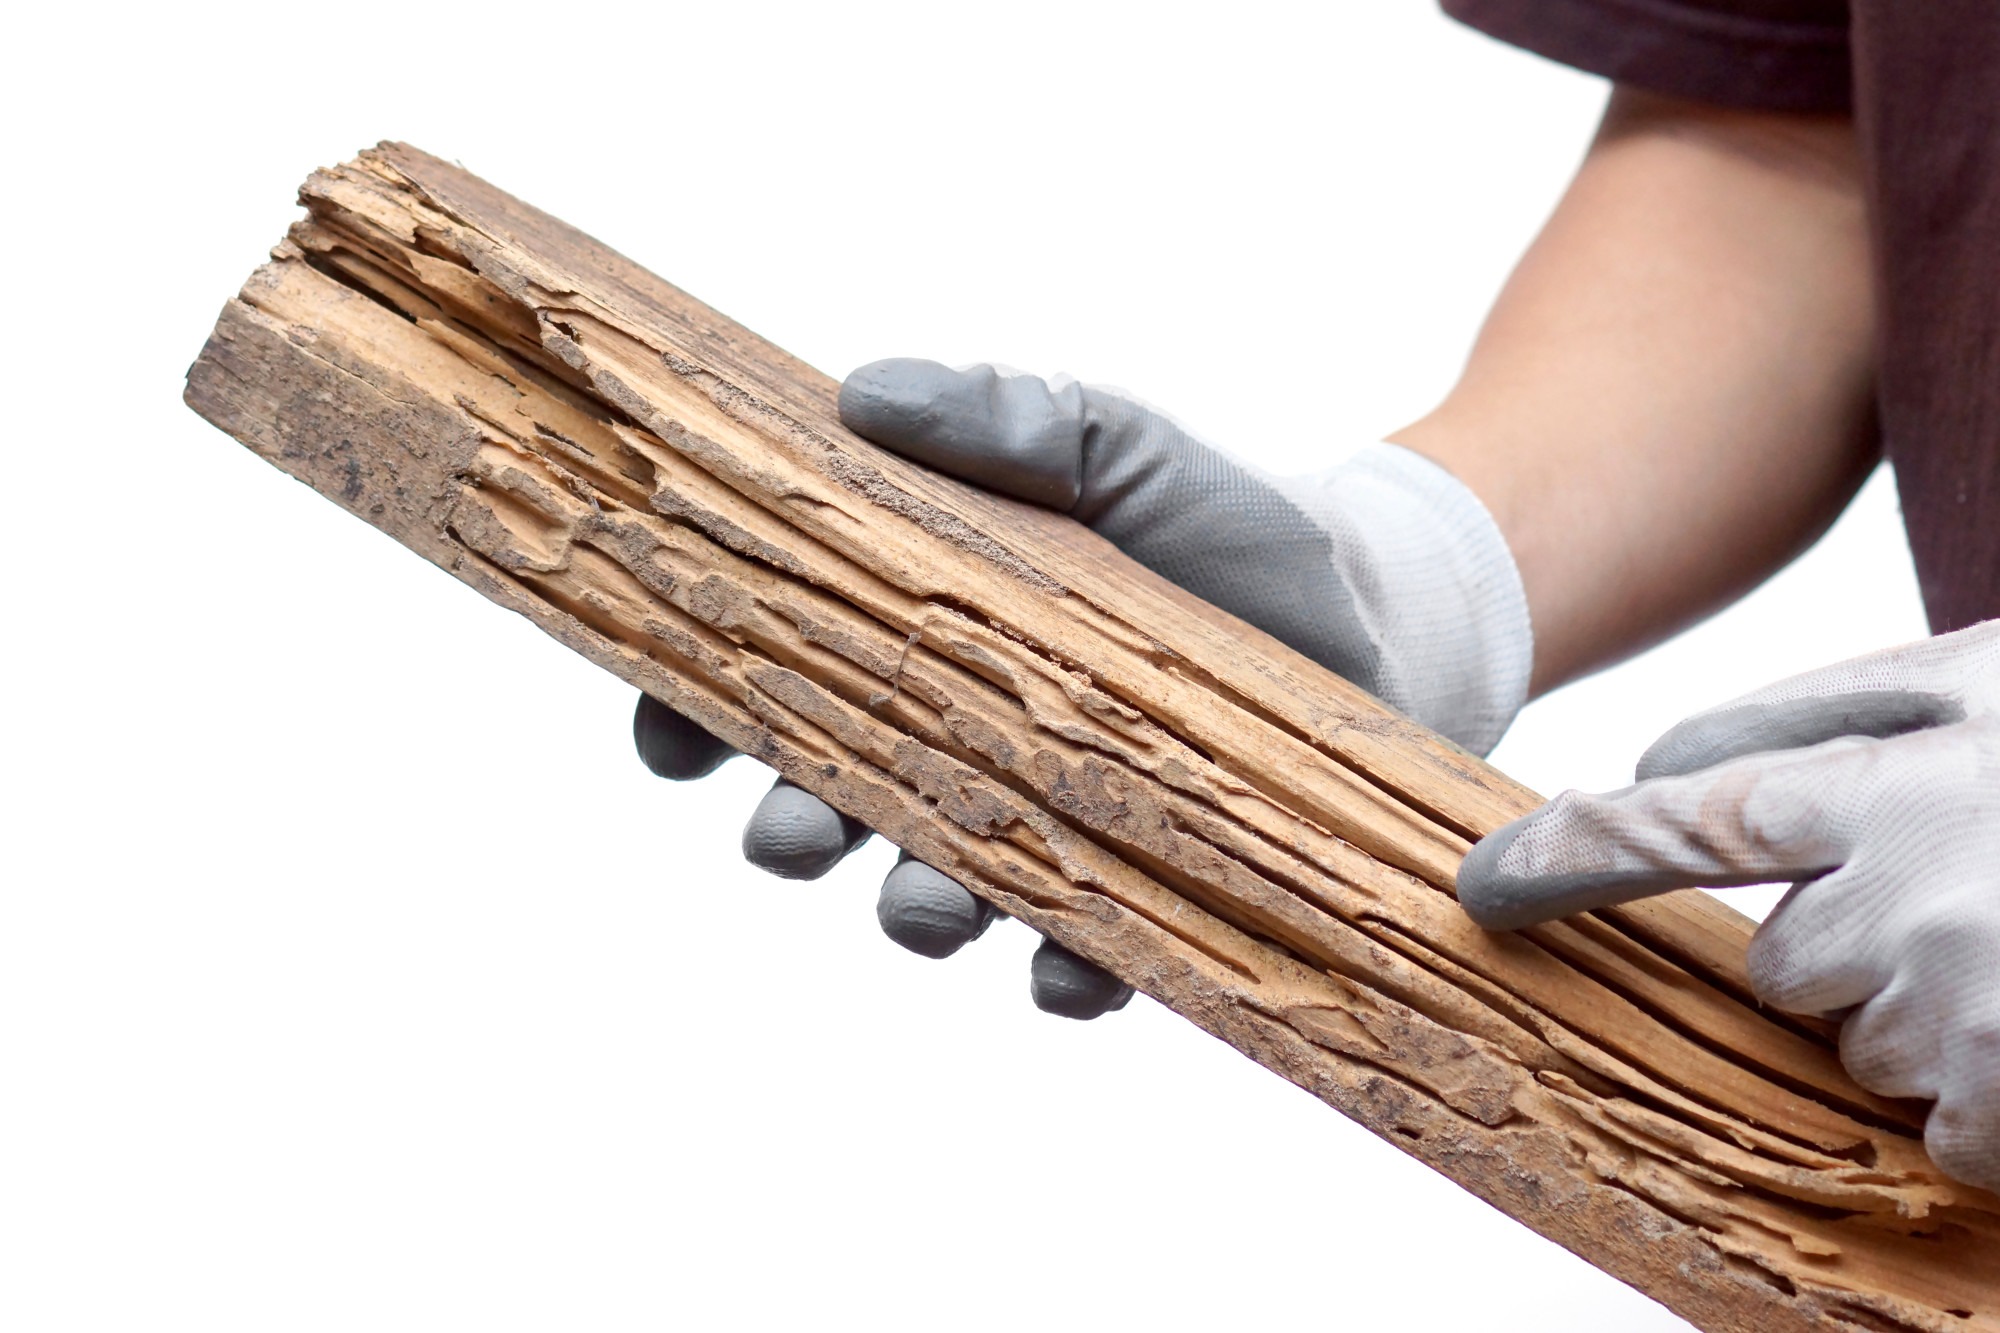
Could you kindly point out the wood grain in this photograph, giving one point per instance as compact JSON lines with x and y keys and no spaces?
{"x":1248,"y":839}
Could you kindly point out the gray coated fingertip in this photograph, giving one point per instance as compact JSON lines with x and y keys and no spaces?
{"x":795,"y":835}
{"x":1071,"y":987}
{"x":892,"y":401}
{"x":1491,"y":897}
{"x":891,"y":392}
{"x":928,"y":912}
{"x":1009,"y":433}
{"x":675,"y":747}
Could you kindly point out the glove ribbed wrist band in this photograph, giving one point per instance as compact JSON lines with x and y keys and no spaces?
{"x":1434,"y":585}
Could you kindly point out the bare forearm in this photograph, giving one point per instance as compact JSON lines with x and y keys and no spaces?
{"x":1671,"y":397}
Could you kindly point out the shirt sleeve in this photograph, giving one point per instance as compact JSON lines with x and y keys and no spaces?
{"x":1769,"y":55}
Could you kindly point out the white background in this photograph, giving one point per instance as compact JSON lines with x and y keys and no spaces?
{"x":353,"y":973}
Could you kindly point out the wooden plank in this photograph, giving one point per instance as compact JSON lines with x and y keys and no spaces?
{"x":1238,"y":833}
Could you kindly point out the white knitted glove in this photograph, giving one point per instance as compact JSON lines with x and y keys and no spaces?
{"x":1875,"y":785}
{"x":1383,"y":567}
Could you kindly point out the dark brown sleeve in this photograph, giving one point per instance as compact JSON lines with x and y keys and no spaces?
{"x":1769,"y":55}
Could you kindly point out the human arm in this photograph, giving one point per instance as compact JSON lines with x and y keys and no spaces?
{"x":1671,"y":397}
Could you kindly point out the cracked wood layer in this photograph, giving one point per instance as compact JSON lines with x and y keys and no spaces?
{"x":1248,"y":839}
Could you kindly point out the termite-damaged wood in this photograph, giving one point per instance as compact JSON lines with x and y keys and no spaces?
{"x":1236,"y":832}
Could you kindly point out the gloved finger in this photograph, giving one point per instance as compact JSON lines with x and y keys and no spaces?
{"x":1016,"y":434}
{"x":928,"y":912}
{"x":1072,"y":987}
{"x":1812,"y":956}
{"x":1908,"y":688}
{"x":1962,"y":1134}
{"x":673,"y":746}
{"x":1756,"y":820}
{"x":1905,"y":1043}
{"x":1890,"y":1045}
{"x":795,"y":835}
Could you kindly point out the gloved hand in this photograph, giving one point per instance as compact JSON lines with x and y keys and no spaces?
{"x":1383,"y":567}
{"x":1875,"y":786}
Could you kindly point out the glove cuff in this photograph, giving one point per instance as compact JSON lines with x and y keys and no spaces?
{"x":1435,"y":587}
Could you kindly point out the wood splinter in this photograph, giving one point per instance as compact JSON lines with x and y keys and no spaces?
{"x":1250,"y":840}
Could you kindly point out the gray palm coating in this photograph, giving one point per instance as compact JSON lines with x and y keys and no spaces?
{"x":928,"y":912}
{"x":1072,"y":987}
{"x":674,"y":747}
{"x":795,"y":835}
{"x":1139,"y":479}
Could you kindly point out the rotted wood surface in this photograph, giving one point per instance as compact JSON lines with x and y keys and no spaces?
{"x":1248,"y":839}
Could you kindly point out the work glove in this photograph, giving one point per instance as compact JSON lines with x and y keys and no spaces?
{"x":1382,"y":567}
{"x":1874,"y":785}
